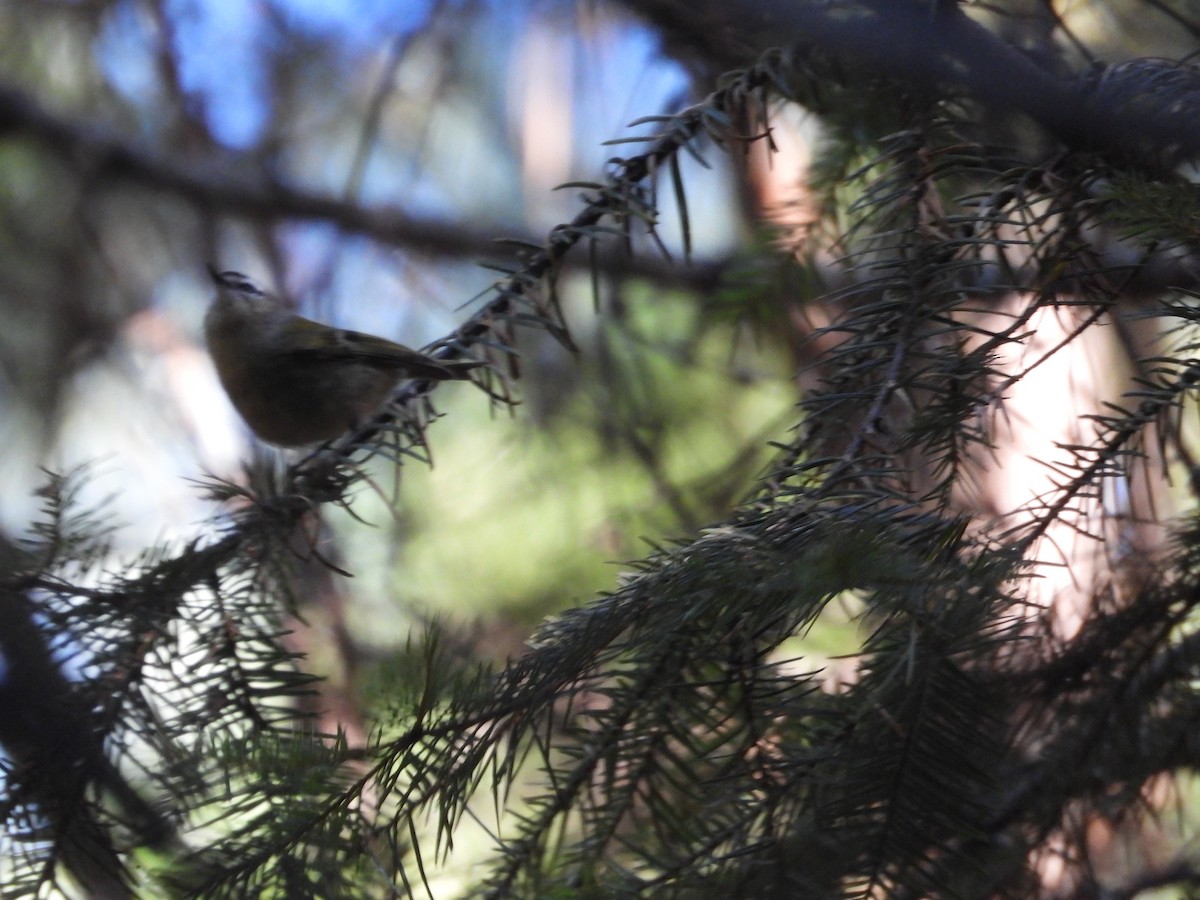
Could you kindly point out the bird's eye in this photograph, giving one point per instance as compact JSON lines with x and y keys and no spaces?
{"x":238,"y":282}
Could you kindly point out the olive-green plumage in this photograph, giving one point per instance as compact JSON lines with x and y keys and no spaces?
{"x":296,"y":381}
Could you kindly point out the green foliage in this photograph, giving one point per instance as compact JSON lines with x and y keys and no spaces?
{"x":648,"y":382}
{"x":675,"y":736}
{"x":1151,"y":210}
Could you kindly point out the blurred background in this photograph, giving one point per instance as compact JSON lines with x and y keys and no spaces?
{"x":364,"y":158}
{"x":450,"y":124}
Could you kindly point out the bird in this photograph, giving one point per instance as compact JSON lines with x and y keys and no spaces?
{"x":297,"y":382}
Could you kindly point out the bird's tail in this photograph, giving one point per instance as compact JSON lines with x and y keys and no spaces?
{"x":444,"y":369}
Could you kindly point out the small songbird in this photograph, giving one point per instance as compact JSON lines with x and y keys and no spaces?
{"x":296,"y":381}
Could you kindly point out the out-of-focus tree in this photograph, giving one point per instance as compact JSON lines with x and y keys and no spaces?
{"x":936,"y":642}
